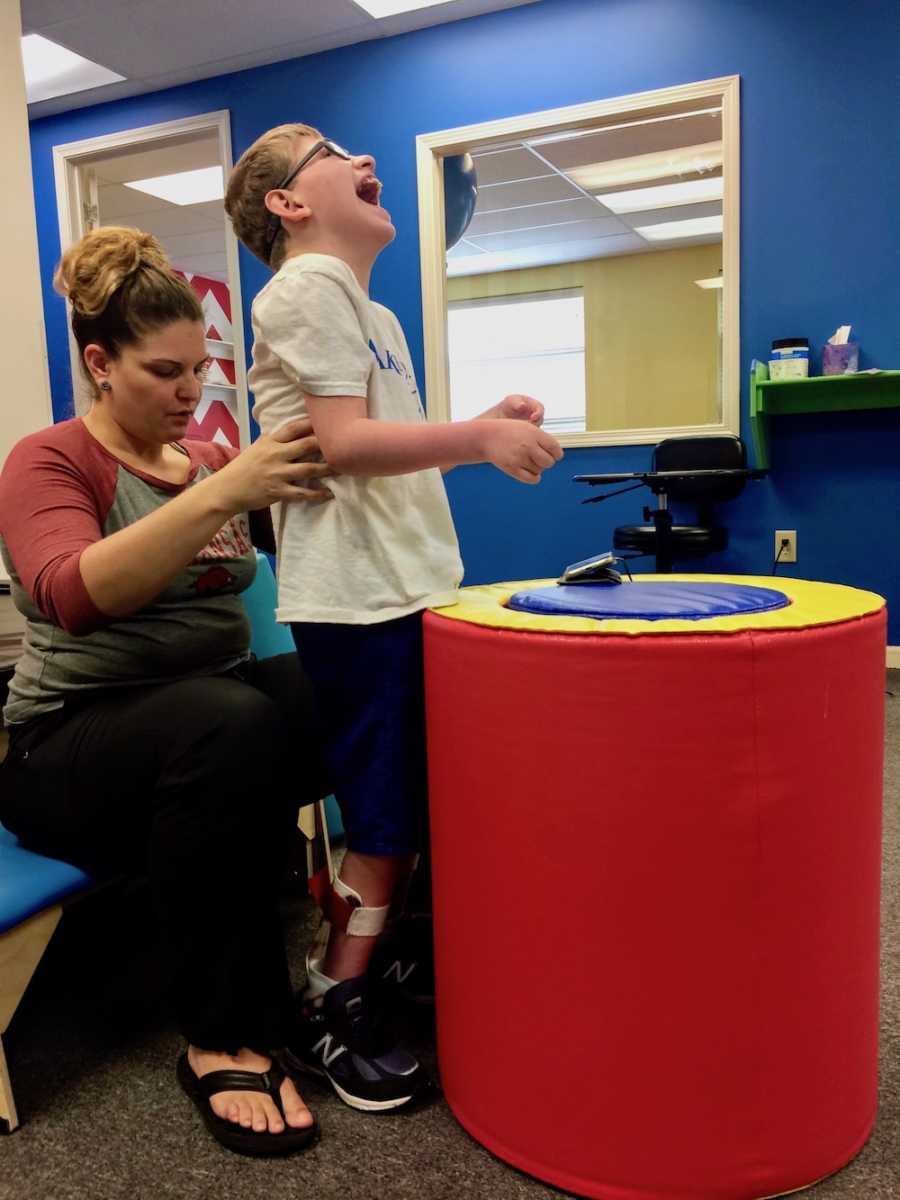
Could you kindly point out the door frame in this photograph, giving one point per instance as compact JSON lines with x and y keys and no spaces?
{"x":69,"y":157}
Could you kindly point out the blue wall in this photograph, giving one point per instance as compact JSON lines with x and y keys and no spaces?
{"x":820,"y":235}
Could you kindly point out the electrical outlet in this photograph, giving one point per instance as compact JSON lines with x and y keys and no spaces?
{"x":785,"y":546}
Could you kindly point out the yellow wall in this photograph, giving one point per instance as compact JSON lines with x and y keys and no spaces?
{"x":651,"y":343}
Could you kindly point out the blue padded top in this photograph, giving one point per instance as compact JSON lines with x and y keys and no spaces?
{"x":649,"y":601}
{"x":30,"y":882}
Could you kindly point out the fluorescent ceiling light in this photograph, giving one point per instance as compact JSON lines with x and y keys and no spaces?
{"x":715,"y":282}
{"x":661,"y":164}
{"x":390,"y":8}
{"x":185,"y":187}
{"x":52,"y":70}
{"x":667,"y":230}
{"x":667,"y":195}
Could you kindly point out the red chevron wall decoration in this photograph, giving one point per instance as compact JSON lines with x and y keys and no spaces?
{"x":213,"y":422}
{"x":215,"y":419}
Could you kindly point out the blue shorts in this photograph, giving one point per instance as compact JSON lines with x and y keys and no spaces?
{"x":368,"y":682}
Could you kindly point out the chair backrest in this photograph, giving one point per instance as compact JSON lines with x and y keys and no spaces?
{"x":702,"y":453}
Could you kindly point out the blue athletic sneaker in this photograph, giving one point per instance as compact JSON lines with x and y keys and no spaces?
{"x":404,"y":958}
{"x":345,"y":1037}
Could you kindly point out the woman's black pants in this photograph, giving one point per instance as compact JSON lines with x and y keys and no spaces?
{"x":198,"y":784}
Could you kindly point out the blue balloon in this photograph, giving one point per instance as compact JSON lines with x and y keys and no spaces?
{"x":460,"y":194}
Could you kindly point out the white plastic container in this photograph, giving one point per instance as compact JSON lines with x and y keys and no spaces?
{"x":789,"y":358}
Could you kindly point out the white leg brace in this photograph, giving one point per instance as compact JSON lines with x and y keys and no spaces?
{"x":345,"y":910}
{"x":317,"y":982}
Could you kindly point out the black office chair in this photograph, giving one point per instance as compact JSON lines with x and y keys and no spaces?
{"x":660,"y":536}
{"x":701,"y":470}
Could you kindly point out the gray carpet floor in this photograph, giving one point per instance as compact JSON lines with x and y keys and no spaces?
{"x":92,"y":1055}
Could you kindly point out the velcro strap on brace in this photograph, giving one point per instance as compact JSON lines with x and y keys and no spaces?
{"x":343,"y":908}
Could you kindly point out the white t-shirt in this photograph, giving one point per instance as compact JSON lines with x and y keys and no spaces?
{"x":384,"y":546}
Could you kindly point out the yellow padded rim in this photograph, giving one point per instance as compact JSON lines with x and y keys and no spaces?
{"x":811,"y":604}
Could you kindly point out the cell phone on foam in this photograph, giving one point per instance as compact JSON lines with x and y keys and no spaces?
{"x":600,"y":568}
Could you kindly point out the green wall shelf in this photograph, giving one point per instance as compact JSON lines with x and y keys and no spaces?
{"x":818,"y":394}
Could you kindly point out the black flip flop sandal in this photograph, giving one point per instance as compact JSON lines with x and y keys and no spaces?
{"x":236,"y":1137}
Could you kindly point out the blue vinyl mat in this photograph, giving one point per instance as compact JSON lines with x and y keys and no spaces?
{"x":648,"y":601}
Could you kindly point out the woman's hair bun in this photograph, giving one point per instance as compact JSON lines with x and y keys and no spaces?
{"x":92,"y":270}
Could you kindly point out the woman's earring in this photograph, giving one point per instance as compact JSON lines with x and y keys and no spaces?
{"x":105,"y":386}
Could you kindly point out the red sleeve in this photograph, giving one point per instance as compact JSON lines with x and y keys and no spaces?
{"x":55,"y":491}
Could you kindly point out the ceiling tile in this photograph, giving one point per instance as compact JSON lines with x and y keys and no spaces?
{"x":541,"y":256}
{"x":502,"y":166}
{"x":576,"y":231}
{"x":177,"y":35}
{"x":462,"y":248}
{"x":608,"y":145}
{"x":579,"y":209}
{"x":120,"y":205}
{"x":168,"y":42}
{"x":178,"y":247}
{"x":181,"y":154}
{"x":212,"y":265}
{"x":37,"y":15}
{"x":685,"y":212}
{"x":514,"y":195}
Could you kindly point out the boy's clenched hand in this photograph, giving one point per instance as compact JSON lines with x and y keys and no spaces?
{"x":516,"y":408}
{"x":518,"y":448}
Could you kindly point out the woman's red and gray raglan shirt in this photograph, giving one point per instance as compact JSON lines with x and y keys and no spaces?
{"x":61,"y":491}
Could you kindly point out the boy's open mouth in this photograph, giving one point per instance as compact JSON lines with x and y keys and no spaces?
{"x":369,"y":190}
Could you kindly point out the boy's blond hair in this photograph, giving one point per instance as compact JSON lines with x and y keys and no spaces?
{"x":261,"y":168}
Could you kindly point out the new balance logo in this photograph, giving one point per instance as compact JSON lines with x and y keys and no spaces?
{"x":396,"y":970}
{"x":323,"y":1047}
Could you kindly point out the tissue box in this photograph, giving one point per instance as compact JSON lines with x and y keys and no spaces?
{"x":840,"y":360}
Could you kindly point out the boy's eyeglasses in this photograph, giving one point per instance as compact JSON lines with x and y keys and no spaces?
{"x":274,"y":221}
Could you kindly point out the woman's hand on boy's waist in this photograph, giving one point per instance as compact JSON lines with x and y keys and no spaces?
{"x":283,"y":466}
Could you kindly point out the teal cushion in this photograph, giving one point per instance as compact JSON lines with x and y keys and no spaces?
{"x":267,"y":637}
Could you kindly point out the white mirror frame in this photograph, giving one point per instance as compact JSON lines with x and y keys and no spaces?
{"x":431,"y":148}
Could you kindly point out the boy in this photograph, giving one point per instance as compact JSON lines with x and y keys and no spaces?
{"x":355,"y":575}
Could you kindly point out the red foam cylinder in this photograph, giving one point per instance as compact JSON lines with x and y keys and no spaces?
{"x":656,"y":891}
